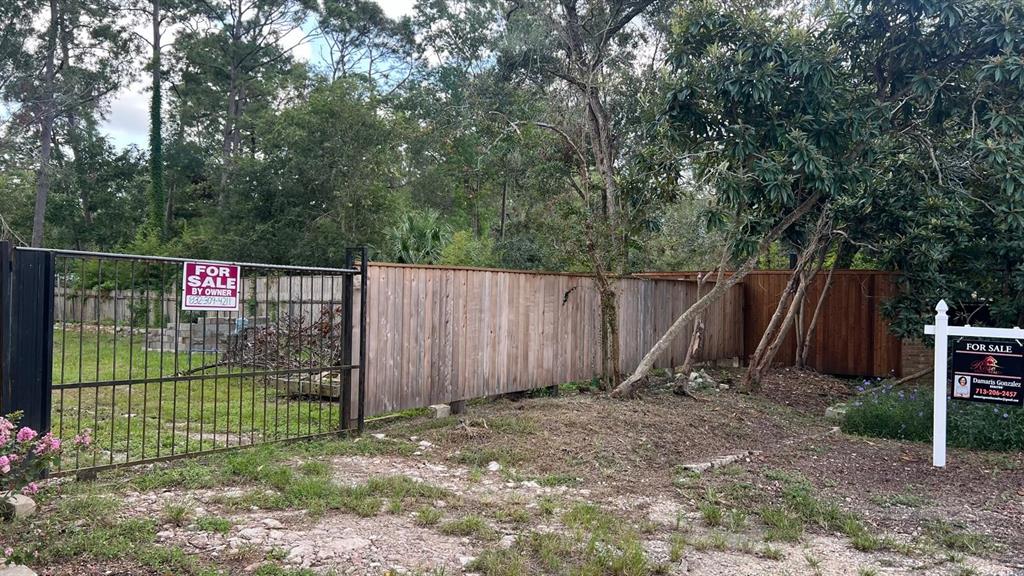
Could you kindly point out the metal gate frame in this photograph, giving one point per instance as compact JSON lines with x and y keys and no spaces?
{"x":28,"y":321}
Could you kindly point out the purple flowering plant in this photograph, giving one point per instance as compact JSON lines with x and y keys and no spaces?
{"x":906,"y":414}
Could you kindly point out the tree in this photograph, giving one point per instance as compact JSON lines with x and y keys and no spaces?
{"x":76,"y":58}
{"x":232,"y":57}
{"x":361,"y":40}
{"x":583,"y":52}
{"x":757,"y":106}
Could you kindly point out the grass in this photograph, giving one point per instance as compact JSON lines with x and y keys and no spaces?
{"x":428,"y":516}
{"x":146,"y":420}
{"x":214,"y":524}
{"x":599,"y":544}
{"x":957,"y":539}
{"x":904,"y":499}
{"x":176,"y":514}
{"x":469,"y":526}
{"x":711,"y":513}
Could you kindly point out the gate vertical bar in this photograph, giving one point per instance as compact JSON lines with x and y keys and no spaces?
{"x":31,"y":333}
{"x":364,"y":267}
{"x":346,"y":343}
{"x":5,"y":326}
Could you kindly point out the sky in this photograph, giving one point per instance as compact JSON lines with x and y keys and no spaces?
{"x":127,"y":120}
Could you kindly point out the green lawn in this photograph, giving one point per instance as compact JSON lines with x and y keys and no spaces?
{"x":216,"y":408}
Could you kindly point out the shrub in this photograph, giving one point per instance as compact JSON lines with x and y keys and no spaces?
{"x":25,"y":454}
{"x":907,"y":415}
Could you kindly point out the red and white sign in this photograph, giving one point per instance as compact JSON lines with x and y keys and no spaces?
{"x":207,"y":286}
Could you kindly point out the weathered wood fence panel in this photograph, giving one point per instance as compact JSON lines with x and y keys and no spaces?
{"x":440,"y":334}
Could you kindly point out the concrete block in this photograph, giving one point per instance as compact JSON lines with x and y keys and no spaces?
{"x":16,"y":570}
{"x":440,"y":411}
{"x":21,"y":506}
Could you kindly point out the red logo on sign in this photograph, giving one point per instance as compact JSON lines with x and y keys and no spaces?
{"x":209,"y":286}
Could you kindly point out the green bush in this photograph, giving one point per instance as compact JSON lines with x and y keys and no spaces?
{"x":907,"y":415}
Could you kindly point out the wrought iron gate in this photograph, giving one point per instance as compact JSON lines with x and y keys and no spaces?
{"x":96,"y":343}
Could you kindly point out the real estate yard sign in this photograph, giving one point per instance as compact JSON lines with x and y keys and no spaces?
{"x":982,"y":370}
{"x":987,"y":371}
{"x":210,"y":286}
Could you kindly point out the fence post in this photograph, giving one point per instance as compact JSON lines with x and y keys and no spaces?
{"x":364,"y":268}
{"x":939,"y":391}
{"x":346,"y":348}
{"x":5,"y":325}
{"x":31,"y":337}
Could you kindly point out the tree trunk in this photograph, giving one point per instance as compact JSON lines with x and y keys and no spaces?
{"x":756,"y":371}
{"x":630,"y":385}
{"x":791,"y":301}
{"x":47,"y":113}
{"x":697,"y":333}
{"x":805,"y":344}
{"x":504,"y":208}
{"x":157,"y":207}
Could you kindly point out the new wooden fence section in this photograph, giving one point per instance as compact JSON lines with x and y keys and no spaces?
{"x":852,"y":336}
{"x":443,"y":334}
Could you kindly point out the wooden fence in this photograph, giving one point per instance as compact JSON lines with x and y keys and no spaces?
{"x":443,"y":334}
{"x":852,"y":336}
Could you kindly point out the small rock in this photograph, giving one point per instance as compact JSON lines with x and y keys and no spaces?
{"x":698,"y":468}
{"x":507,"y":541}
{"x":252,"y":533}
{"x":493,"y":466}
{"x":440,"y":411}
{"x":379,"y":436}
{"x":17,"y":570}
{"x":424,"y":444}
{"x":164,"y":535}
{"x":466,"y":560}
{"x":21,"y":506}
{"x":272,"y":524}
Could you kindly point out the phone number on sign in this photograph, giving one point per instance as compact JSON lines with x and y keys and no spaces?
{"x":996,"y":393}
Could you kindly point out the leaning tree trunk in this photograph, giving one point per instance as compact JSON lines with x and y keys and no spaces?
{"x":804,"y":344}
{"x":630,"y":385}
{"x":791,"y":301}
{"x":756,"y":372}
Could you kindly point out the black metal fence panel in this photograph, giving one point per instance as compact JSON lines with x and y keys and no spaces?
{"x":149,"y":381}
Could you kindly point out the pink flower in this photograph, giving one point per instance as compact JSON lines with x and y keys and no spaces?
{"x":48,"y":444}
{"x":5,"y":464}
{"x":30,"y":489}
{"x":8,"y":552}
{"x":84,"y":439}
{"x":26,"y":434}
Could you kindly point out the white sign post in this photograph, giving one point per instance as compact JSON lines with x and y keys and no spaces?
{"x":939,"y":416}
{"x":942,"y":331}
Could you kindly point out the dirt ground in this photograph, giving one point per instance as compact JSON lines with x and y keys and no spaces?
{"x":510,"y":481}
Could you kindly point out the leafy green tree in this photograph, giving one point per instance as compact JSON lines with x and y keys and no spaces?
{"x":71,"y":56}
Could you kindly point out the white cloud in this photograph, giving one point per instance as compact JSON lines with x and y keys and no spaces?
{"x":128,"y":118}
{"x":397,"y":8}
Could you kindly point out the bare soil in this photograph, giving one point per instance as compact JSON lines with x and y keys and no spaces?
{"x":627,"y":458}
